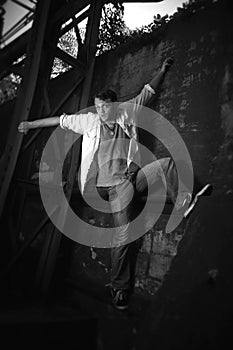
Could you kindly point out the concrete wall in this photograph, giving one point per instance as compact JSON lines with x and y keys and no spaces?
{"x":197,"y":93}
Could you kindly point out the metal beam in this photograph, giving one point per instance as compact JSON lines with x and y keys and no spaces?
{"x":24,"y":99}
{"x":53,"y":112}
{"x":2,"y":13}
{"x":75,"y":22}
{"x":23,"y":5}
{"x":22,"y":22}
{"x":17,"y":48}
{"x":63,"y":14}
{"x":70,"y":60}
{"x":48,"y":265}
{"x":77,"y":32}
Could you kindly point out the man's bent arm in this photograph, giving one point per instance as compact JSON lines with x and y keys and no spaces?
{"x":158,"y":78}
{"x":148,"y":92}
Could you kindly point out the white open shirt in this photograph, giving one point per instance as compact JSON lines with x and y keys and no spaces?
{"x":88,"y":124}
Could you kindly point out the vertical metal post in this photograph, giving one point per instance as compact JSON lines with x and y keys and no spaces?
{"x":24,"y":99}
{"x":46,"y":271}
{"x":2,"y":12}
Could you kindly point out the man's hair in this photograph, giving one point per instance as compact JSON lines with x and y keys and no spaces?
{"x":106,"y":94}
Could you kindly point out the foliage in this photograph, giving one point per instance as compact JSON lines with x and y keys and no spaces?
{"x":113,"y":30}
{"x":157,"y":22}
{"x":9,"y":87}
{"x":67,"y":43}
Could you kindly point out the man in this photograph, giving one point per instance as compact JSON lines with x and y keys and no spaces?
{"x":108,"y":133}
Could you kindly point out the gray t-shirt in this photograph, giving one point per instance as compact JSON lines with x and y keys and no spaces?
{"x":111,"y":156}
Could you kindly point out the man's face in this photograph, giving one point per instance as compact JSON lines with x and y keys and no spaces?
{"x":105,"y":109}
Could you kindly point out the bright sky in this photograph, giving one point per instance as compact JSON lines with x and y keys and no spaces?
{"x":136,"y":14}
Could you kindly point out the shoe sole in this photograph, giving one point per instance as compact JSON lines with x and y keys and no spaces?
{"x":118,"y":307}
{"x":200,"y":193}
{"x":203,"y":190}
{"x":121,"y":308}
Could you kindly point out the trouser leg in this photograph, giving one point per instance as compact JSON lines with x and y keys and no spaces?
{"x":162,"y":171}
{"x":123,"y":260}
{"x":123,"y":256}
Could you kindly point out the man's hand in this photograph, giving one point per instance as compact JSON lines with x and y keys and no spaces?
{"x":167,"y":64}
{"x":24,"y":127}
{"x":158,"y":78}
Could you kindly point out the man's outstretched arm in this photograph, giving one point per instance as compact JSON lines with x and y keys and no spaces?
{"x":149,"y":90}
{"x":158,"y":78}
{"x":39,"y":123}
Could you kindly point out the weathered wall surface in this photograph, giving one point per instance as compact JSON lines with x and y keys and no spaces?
{"x":193,"y":308}
{"x":197,"y":93}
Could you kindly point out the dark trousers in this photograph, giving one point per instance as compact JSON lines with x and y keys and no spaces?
{"x":123,"y":200}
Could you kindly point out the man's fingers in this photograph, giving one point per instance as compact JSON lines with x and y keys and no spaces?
{"x":168,"y":62}
{"x":22,"y":128}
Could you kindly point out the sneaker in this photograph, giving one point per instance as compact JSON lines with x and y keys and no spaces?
{"x":204,"y":191}
{"x":120,"y":298}
{"x":183,"y":200}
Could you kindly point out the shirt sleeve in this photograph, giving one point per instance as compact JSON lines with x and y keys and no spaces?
{"x":150,"y":89}
{"x":142,"y":99}
{"x":133,"y":106}
{"x":79,"y":123}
